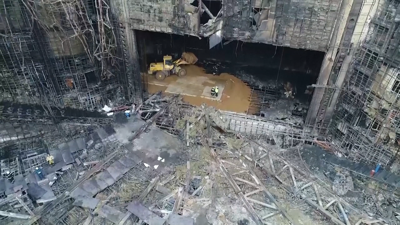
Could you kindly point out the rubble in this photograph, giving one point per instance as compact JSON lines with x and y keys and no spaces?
{"x":82,"y":142}
{"x":193,"y":165}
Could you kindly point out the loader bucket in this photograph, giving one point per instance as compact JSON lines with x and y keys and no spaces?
{"x":189,"y":57}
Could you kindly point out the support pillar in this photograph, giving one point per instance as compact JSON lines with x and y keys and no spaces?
{"x":134,"y":86}
{"x":350,"y":40}
{"x":329,"y":61}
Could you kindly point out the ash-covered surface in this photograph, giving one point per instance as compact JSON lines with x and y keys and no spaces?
{"x":320,"y":160}
{"x":376,"y":196}
{"x":167,"y":170}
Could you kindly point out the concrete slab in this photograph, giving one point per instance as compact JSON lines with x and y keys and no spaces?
{"x":121,"y":167}
{"x":91,"y":186}
{"x":109,"y":129}
{"x":67,"y":157}
{"x":63,"y":146}
{"x":31,"y":178}
{"x":56,"y":153}
{"x":81,"y":143}
{"x":35,"y":191}
{"x":134,"y":157}
{"x":125,"y":132}
{"x":111,"y":214}
{"x":156,"y":141}
{"x":144,"y":213}
{"x":18,"y":180}
{"x":207,"y":93}
{"x":73,"y":146}
{"x":106,"y":177}
{"x":126,"y":217}
{"x":102,"y":133}
{"x":90,"y":203}
{"x":79,"y":192}
{"x":51,"y":176}
{"x":56,"y":167}
{"x":153,"y":162}
{"x":196,"y":86}
{"x":157,"y":221}
{"x":114,"y":171}
{"x":101,"y":183}
{"x":161,"y":83}
{"x":127,"y":162}
{"x":95,"y":137}
{"x":48,"y":196}
{"x":175,"y":219}
{"x":188,"y":90}
{"x":189,"y":85}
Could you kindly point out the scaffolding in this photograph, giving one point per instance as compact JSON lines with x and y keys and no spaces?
{"x":365,"y":126}
{"x":61,"y":53}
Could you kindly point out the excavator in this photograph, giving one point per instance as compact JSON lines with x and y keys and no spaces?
{"x":169,"y":67}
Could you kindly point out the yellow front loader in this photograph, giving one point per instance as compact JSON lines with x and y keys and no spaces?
{"x":169,"y":67}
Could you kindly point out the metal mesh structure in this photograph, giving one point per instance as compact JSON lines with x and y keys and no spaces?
{"x":62,"y":53}
{"x":365,"y":124}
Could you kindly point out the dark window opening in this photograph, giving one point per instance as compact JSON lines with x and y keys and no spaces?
{"x":360,"y":79}
{"x":213,"y":6}
{"x":258,"y":16}
{"x":369,"y":59}
{"x":396,"y":86}
{"x":253,"y":22}
{"x":91,"y":77}
{"x":168,"y":62}
{"x":256,"y":10}
{"x":376,"y":125}
{"x":380,"y":36}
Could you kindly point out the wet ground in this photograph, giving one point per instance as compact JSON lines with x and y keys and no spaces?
{"x":243,"y":89}
{"x":234,"y":93}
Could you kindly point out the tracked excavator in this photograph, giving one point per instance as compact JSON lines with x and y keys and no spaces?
{"x":169,"y":67}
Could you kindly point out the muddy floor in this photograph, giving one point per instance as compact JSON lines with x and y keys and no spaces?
{"x":195,"y":86}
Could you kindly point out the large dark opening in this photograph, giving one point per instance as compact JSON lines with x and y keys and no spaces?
{"x":213,"y":6}
{"x":265,"y":68}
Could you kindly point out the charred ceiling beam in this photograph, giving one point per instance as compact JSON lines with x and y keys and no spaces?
{"x":204,"y":7}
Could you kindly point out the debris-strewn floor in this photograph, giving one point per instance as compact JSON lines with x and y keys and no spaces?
{"x":180,"y":167}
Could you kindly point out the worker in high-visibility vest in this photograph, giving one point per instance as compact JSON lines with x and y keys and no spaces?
{"x":50,"y":159}
{"x":39,"y":172}
{"x":214,"y":91}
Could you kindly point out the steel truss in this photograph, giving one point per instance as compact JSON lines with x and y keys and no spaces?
{"x":294,"y":180}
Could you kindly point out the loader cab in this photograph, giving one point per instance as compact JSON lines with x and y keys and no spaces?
{"x":168,"y":64}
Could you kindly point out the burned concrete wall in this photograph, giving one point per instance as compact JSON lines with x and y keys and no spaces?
{"x":366,"y":121}
{"x":59,"y":53}
{"x":296,"y":24}
{"x":167,"y":16}
{"x":304,"y":24}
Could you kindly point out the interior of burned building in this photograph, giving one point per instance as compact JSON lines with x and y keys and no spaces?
{"x":251,"y":76}
{"x":199,"y":112}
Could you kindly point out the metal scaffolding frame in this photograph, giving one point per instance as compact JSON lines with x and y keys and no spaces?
{"x":365,"y":124}
{"x":55,"y":53}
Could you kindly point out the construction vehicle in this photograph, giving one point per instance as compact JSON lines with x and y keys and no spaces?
{"x":169,"y":67}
